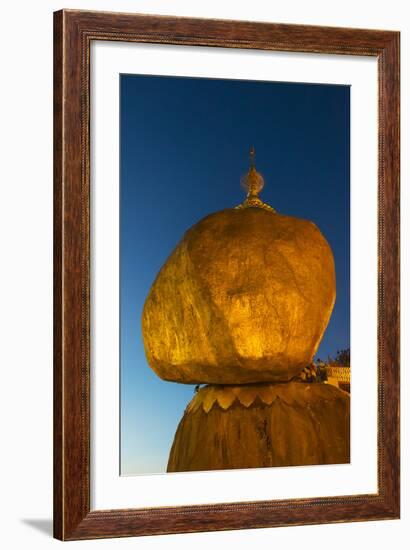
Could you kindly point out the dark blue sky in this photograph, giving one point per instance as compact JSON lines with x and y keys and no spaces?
{"x":184,"y":147}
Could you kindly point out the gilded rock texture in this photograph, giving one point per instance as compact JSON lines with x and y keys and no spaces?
{"x":245,"y":297}
{"x":264,"y":425}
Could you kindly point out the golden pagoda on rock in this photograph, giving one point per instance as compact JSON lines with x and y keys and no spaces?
{"x":242,"y":304}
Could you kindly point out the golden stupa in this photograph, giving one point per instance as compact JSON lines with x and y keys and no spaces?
{"x":241,"y":304}
{"x":245,"y":297}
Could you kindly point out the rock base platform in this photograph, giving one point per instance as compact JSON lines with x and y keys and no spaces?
{"x":262,"y":425}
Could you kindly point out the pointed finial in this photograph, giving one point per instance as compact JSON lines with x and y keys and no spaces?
{"x":253,"y":184}
{"x":252,"y":156}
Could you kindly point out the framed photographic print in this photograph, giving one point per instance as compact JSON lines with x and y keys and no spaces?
{"x":226,"y":275}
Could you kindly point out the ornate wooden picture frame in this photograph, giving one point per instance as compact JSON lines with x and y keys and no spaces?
{"x":74,"y":32}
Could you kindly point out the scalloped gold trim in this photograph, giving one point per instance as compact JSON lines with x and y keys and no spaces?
{"x":291,"y":393}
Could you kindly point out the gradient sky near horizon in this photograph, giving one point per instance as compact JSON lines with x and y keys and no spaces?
{"x":184,"y":146}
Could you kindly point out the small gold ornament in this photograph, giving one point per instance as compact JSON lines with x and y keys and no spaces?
{"x":253,"y":183}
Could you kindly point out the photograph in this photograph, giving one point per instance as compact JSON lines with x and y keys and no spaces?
{"x":226,"y":250}
{"x":205,"y":245}
{"x":234,"y":274}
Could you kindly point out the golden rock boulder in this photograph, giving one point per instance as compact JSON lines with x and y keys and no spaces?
{"x":244,"y":297}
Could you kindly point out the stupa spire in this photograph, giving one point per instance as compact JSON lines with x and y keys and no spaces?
{"x":252,"y":156}
{"x":253,"y":183}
